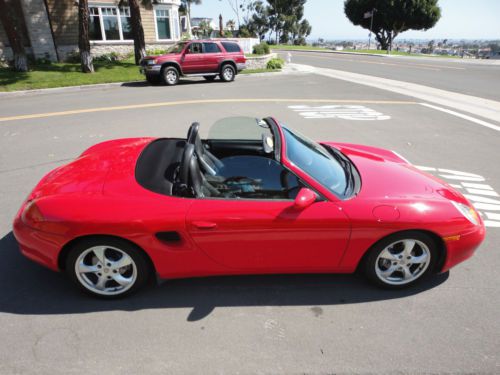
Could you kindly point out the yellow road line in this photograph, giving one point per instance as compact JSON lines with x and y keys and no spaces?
{"x":187,"y":102}
{"x":403,"y":64}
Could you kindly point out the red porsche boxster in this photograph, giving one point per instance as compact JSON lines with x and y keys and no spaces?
{"x":254,"y":197}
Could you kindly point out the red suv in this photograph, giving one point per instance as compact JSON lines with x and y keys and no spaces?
{"x":206,"y":58}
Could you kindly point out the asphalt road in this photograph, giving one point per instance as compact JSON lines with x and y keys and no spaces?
{"x":254,"y":324}
{"x":481,"y":79}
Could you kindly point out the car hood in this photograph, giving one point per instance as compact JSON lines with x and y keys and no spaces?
{"x":387,"y":176}
{"x":87,"y":173}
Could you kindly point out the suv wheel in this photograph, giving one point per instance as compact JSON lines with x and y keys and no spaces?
{"x":170,"y":76}
{"x":227,"y":73}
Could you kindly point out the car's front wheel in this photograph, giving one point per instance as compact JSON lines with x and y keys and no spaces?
{"x":401,"y":260}
{"x":107,"y":267}
{"x":170,"y":76}
{"x":227,"y":73}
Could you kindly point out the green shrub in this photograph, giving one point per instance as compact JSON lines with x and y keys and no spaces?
{"x":107,"y":57}
{"x":156,"y":52}
{"x":275,"y":63}
{"x":261,"y":49}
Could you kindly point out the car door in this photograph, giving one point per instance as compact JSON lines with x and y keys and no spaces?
{"x":212,"y":57}
{"x":269,"y":235}
{"x":192,"y":58}
{"x":265,"y":235}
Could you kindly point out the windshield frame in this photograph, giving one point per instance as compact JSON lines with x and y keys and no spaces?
{"x":351,"y":188}
{"x":171,"y":49}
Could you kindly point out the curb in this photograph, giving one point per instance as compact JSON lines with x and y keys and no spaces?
{"x":56,"y":90}
{"x":63,"y":89}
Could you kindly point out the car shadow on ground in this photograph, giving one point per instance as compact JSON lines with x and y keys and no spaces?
{"x":182,"y":82}
{"x":27,"y":288}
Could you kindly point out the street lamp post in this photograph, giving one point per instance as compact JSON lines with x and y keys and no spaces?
{"x":366,"y":15}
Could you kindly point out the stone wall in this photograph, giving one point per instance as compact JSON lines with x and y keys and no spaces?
{"x":259,"y":62}
{"x":99,"y":49}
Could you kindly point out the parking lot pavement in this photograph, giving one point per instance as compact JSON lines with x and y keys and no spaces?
{"x":266,"y":324}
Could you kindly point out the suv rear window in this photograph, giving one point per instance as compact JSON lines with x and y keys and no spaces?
{"x":231,"y":47}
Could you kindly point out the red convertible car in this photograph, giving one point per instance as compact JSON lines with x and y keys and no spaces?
{"x":255,"y":197}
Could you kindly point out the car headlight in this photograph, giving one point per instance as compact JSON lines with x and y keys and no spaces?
{"x":469,"y":213}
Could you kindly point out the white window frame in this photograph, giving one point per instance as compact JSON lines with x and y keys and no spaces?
{"x":170,"y":11}
{"x":101,"y":23}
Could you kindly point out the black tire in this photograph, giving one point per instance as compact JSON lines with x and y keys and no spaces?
{"x":153,"y":79}
{"x":210,"y":78}
{"x":376,"y":269}
{"x":170,"y":76}
{"x":139,"y":269}
{"x":227,"y":73}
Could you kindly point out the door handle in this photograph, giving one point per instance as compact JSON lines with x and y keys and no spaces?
{"x":204,"y":224}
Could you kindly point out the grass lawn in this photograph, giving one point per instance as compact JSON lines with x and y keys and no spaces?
{"x":251,"y":71}
{"x":66,"y":74}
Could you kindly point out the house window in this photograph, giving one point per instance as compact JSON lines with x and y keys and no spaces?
{"x":126,"y":25}
{"x":95,"y":32}
{"x":162,"y":17}
{"x":109,"y":23}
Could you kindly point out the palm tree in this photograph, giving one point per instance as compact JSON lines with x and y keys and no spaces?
{"x":14,"y":33}
{"x":231,"y":25}
{"x":83,"y":37}
{"x":187,"y":6}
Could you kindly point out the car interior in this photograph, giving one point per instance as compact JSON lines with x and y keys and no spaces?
{"x":218,"y":167}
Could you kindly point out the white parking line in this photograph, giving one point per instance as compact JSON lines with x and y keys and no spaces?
{"x":461,"y":115}
{"x":345,"y":112}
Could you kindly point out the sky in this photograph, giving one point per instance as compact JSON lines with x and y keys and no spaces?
{"x":460,"y":19}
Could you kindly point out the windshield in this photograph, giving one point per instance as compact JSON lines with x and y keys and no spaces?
{"x":242,"y":128}
{"x":176,"y":48}
{"x":316,"y":161}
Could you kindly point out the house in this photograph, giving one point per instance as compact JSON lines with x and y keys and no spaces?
{"x":51,"y":26}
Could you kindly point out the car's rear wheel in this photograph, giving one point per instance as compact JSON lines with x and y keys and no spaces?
{"x":170,"y":76}
{"x":209,"y":78}
{"x":227,"y":73}
{"x":107,"y":267}
{"x":401,"y":260}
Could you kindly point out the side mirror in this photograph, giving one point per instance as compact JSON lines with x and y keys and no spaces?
{"x":305,"y":198}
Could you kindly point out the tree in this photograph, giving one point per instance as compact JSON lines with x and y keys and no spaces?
{"x":283,"y":16}
{"x":258,"y":23}
{"x":137,"y":31}
{"x":231,"y":26}
{"x":393,"y":16}
{"x":12,"y":27}
{"x":187,"y":6}
{"x":431,"y":46}
{"x":204,"y":29}
{"x":83,"y":37}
